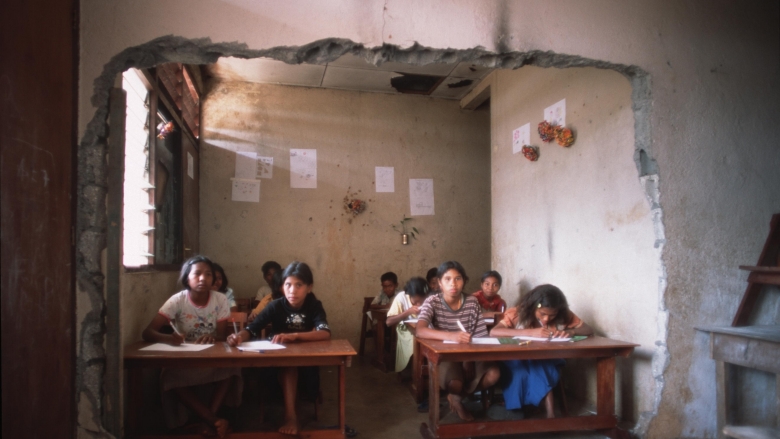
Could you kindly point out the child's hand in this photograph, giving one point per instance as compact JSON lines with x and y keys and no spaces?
{"x":284,"y":338}
{"x":560,"y":334}
{"x":461,"y":337}
{"x":234,"y":340}
{"x":542,"y":333}
{"x":176,"y":339}
{"x":414,"y":309}
{"x":205,"y":339}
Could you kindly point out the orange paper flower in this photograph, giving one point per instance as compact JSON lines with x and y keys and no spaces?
{"x":564,"y":137}
{"x":546,"y":131}
{"x":530,"y":152}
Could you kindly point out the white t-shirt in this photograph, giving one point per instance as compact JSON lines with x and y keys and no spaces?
{"x":262,"y":292}
{"x":193,"y":321}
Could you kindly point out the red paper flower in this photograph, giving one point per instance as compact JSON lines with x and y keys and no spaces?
{"x":530,"y":152}
{"x":546,"y":131}
{"x":564,"y":137}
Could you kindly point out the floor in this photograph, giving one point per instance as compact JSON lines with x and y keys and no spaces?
{"x":379,"y":406}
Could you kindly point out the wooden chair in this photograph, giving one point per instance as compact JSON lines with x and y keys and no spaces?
{"x":240,"y":318}
{"x":367,"y":327}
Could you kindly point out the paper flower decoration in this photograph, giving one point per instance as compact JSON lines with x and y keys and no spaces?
{"x":564,"y":137}
{"x":546,"y":131}
{"x":355,"y":206}
{"x":530,"y":152}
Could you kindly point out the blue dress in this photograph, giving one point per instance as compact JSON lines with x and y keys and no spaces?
{"x":526,"y":382}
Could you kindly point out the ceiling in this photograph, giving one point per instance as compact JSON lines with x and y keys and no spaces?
{"x":350,"y":73}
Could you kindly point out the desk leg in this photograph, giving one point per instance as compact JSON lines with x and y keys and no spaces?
{"x":605,"y":385}
{"x":724,"y":377}
{"x":433,"y":396}
{"x":342,"y":397}
{"x":135,"y":404}
{"x":417,"y":372}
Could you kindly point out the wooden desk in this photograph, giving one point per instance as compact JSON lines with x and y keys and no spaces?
{"x":384,"y":361}
{"x":318,"y":353}
{"x":602,"y":349}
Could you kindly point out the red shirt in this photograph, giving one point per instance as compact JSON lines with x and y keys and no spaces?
{"x":494,"y":303}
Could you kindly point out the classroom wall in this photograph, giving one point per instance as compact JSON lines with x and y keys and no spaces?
{"x":713,"y":95}
{"x":353,"y":132}
{"x":141,"y":296}
{"x":577,"y":217}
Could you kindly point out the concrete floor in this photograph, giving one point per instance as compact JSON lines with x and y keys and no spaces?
{"x":379,"y":406}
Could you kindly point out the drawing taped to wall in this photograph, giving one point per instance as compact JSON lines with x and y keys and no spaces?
{"x":303,"y":168}
{"x":385,"y":179}
{"x":265,"y":167}
{"x":246,"y":190}
{"x":421,"y":196}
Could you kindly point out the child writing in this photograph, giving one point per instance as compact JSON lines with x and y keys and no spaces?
{"x":298,"y":317}
{"x":198,"y":315}
{"x":406,"y":305}
{"x":488,"y":297}
{"x":451,"y":315}
{"x":221,"y":285}
{"x":543,"y":312}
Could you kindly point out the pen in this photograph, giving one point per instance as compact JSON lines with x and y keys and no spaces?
{"x":460,"y":325}
{"x":174,"y":329}
{"x":235,"y":327}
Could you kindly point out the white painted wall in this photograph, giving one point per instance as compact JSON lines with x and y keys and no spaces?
{"x":713,"y":70}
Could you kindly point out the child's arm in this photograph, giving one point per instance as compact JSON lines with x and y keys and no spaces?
{"x":398,"y":318}
{"x":292,"y":337}
{"x":152,"y":332}
{"x":425,"y":331}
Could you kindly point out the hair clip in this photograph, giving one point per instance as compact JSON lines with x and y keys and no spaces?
{"x":539,"y":305}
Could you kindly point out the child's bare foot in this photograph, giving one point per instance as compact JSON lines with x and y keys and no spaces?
{"x":221,"y":425}
{"x":457,"y":406}
{"x":290,"y":426}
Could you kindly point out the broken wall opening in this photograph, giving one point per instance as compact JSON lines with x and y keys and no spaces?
{"x":92,"y":179}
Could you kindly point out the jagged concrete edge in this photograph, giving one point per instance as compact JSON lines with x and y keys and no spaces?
{"x":92,"y":187}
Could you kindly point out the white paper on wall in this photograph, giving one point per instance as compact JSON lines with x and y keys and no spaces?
{"x":303,"y":168}
{"x":556,"y":113}
{"x":521,"y":136}
{"x":421,"y":196}
{"x":246,"y":190}
{"x":265,"y":167}
{"x":246,"y":165}
{"x":385,"y":179}
{"x":190,"y":165}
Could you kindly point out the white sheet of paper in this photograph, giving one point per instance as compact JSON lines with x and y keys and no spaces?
{"x":246,"y":190}
{"x":303,"y":168}
{"x":190,"y":165}
{"x":421,"y":196}
{"x":521,"y":136}
{"x":522,"y":337}
{"x":186,"y":347}
{"x":411,"y":320}
{"x":246,"y":165}
{"x":260,"y":345}
{"x":265,"y":167}
{"x":385,"y":179}
{"x":556,"y":113}
{"x":489,"y":320}
{"x":478,"y":340}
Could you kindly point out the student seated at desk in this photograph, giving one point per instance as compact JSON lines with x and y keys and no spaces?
{"x":433,"y":280}
{"x":543,"y":312}
{"x":221,"y":285}
{"x":198,"y":315}
{"x":451,"y":315}
{"x":269,"y":268}
{"x":277,"y":293}
{"x":389,"y":284}
{"x":488,"y":298}
{"x":297,"y":317}
{"x":406,"y":305}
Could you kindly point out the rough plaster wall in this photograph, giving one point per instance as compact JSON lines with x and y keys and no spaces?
{"x":141,"y":296}
{"x":578,"y":217}
{"x":714,"y":98}
{"x":353,"y":132}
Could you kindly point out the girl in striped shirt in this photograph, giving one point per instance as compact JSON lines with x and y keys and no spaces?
{"x":439,"y":319}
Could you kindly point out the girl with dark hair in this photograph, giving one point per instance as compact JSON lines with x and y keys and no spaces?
{"x":451,"y":315}
{"x":197,"y":315}
{"x":297,"y":317}
{"x":221,"y":285}
{"x":406,"y":305}
{"x":543,"y":312}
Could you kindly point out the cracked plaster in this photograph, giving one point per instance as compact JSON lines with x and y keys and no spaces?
{"x":92,"y":168}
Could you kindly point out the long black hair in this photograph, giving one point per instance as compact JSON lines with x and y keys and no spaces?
{"x":218,"y":269}
{"x":187,"y":267}
{"x":543,"y":296}
{"x":416,"y":286}
{"x":299,"y":270}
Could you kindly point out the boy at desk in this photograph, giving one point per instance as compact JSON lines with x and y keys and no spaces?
{"x":296,"y":317}
{"x":389,"y":285}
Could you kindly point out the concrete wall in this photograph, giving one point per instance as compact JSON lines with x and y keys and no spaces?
{"x":353,"y":132}
{"x":712,"y":75}
{"x":141,"y":296}
{"x":578,"y":217}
